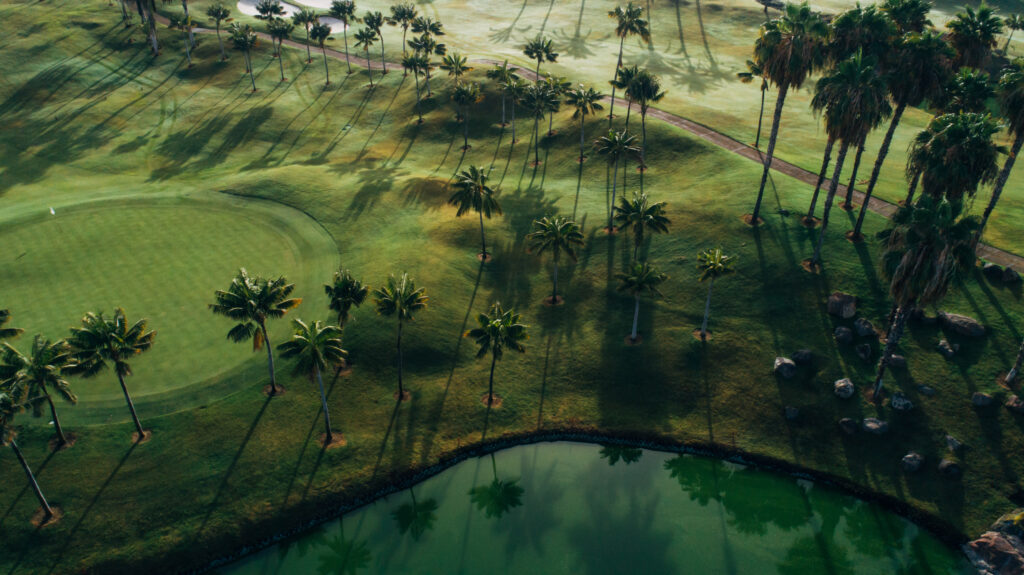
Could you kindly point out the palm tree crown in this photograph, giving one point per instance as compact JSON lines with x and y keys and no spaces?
{"x":791,"y":47}
{"x":909,"y":16}
{"x":34,"y":376}
{"x":955,"y":154}
{"x":315,"y":345}
{"x":7,"y":332}
{"x":400,"y":298}
{"x":641,"y":215}
{"x":498,"y":330}
{"x":973,"y":33}
{"x":251,"y":301}
{"x":540,"y":49}
{"x":343,"y":293}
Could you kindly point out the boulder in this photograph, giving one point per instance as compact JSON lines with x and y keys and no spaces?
{"x":980,"y":399}
{"x":961,"y":324}
{"x":864,"y":351}
{"x":950,"y":468}
{"x":897,"y":362}
{"x":843,"y":388}
{"x":911,"y":462}
{"x":842,"y":304}
{"x":1011,"y":276}
{"x":803,"y":356}
{"x":948,"y":350}
{"x":791,"y":412}
{"x":784,"y":367}
{"x":992,"y":271}
{"x":848,"y":425}
{"x":926,"y":390}
{"x":864,"y":328}
{"x":953,"y":444}
{"x":1010,"y":523}
{"x":1015,"y":404}
{"x":876,"y":426}
{"x":843,"y":335}
{"x":996,"y":553}
{"x":901,"y":402}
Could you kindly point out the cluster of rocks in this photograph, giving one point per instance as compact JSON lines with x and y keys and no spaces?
{"x":949,"y":466}
{"x":999,"y":550}
{"x":786,"y":367}
{"x":844,"y":306}
{"x":996,"y":273}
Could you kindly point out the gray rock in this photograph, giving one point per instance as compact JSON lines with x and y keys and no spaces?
{"x":848,"y":425}
{"x":961,"y":324}
{"x":898,"y":362}
{"x":950,"y":468}
{"x":1015,"y":404}
{"x":954,"y":444}
{"x":843,"y":388}
{"x":947,"y":349}
{"x":992,"y":271}
{"x":926,"y":390}
{"x":864,"y":328}
{"x":784,"y":367}
{"x":842,"y":304}
{"x":1011,"y":276}
{"x":996,"y":553}
{"x":791,"y":412}
{"x":911,"y":462}
{"x":980,"y":399}
{"x":875,"y":426}
{"x":864,"y":352}
{"x":803,"y":356}
{"x":843,"y":335}
{"x":901,"y":402}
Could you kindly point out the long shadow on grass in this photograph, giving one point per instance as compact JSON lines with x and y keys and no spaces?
{"x":38,"y":472}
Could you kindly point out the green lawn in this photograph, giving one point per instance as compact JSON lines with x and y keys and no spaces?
{"x":173,"y":161}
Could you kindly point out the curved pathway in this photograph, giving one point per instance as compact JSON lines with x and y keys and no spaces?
{"x":877,"y":205}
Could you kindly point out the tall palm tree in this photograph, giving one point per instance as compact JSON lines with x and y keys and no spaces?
{"x":1011,"y":102}
{"x":244,"y":39}
{"x":375,"y":22}
{"x":1013,"y":22}
{"x":918,"y":72}
{"x":344,"y":10}
{"x":755,"y":71}
{"x":496,"y":331}
{"x":629,"y":22}
{"x":320,"y":33}
{"x":9,"y":407}
{"x":968,"y":91}
{"x":403,"y":15}
{"x":36,"y":375}
{"x":269,"y":9}
{"x":557,"y":235}
{"x":183,"y":23}
{"x":538,"y":100}
{"x":925,"y":248}
{"x":464,"y":96}
{"x":365,"y":38}
{"x":809,"y":220}
{"x":641,"y":215}
{"x":416,"y":63}
{"x":315,"y":345}
{"x":556,"y":88}
{"x":456,"y":66}
{"x":100,"y":342}
{"x":427,"y":44}
{"x":473,"y":194}
{"x":151,"y":21}
{"x":516,"y":88}
{"x":616,"y":146}
{"x":428,"y":26}
{"x":7,"y":332}
{"x":540,"y":49}
{"x":344,"y":292}
{"x":280,"y":30}
{"x":974,"y":34}
{"x":713,"y":264}
{"x":855,"y":100}
{"x":251,"y":301}
{"x":869,"y":30}
{"x":584,"y":102}
{"x":955,"y":155}
{"x":788,"y":49}
{"x":306,"y":17}
{"x":624,"y":77}
{"x":502,"y":74}
{"x":641,"y":278}
{"x":400,"y":298}
{"x":645,"y":89}
{"x":910,"y":16}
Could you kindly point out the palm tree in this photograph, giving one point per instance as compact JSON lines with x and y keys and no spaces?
{"x":754,"y":71}
{"x":320,"y":34}
{"x":280,"y":30}
{"x":343,"y":293}
{"x":375,"y":22}
{"x":151,"y":21}
{"x":1011,"y":101}
{"x":629,"y":22}
{"x":955,"y":155}
{"x":855,"y":100}
{"x":464,"y":96}
{"x":365,"y":37}
{"x":7,"y":332}
{"x":100,"y":342}
{"x":788,"y":49}
{"x":315,"y":345}
{"x":585,"y":102}
{"x":9,"y":407}
{"x":498,"y":497}
{"x":538,"y":100}
{"x":344,"y":10}
{"x":1013,"y":22}
{"x":34,"y":376}
{"x":624,"y":77}
{"x":473,"y":193}
{"x":184,"y":24}
{"x":416,"y":63}
{"x":244,"y":39}
{"x":269,"y":9}
{"x":416,"y":518}
{"x":403,"y":15}
{"x":918,"y":72}
{"x":968,"y":91}
{"x":641,"y":215}
{"x":910,"y":16}
{"x":713,"y":264}
{"x":516,"y":88}
{"x":455,"y":65}
{"x":400,"y":298}
{"x":614,"y":147}
{"x":925,"y":248}
{"x":306,"y":17}
{"x":644,"y":89}
{"x":428,"y":26}
{"x":502,"y":74}
{"x":219,"y":13}
{"x":540,"y":49}
{"x":496,"y":331}
{"x":869,"y":30}
{"x":973,"y":35}
{"x":556,"y":88}
{"x":642,"y":277}
{"x":251,"y":301}
{"x":428,"y":46}
{"x":556,"y":235}
{"x":809,"y":220}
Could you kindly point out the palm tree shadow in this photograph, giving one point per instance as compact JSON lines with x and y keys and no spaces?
{"x":502,"y":35}
{"x":387,"y":434}
{"x":38,"y":471}
{"x":576,"y":44}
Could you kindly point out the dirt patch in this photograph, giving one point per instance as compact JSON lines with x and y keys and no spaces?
{"x":810,"y":267}
{"x":56,"y":444}
{"x":707,"y":335}
{"x":854,"y":238}
{"x":406,"y":396}
{"x":631,"y":342}
{"x":749,"y":220}
{"x":482,"y":257}
{"x":337,"y":440}
{"x":40,"y":519}
{"x":496,"y":401}
{"x":268,"y":390}
{"x":810,"y":223}
{"x":554,"y":301}
{"x":147,"y":434}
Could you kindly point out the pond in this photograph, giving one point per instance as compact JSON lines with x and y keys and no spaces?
{"x":576,"y":508}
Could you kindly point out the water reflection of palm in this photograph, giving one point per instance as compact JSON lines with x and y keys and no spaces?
{"x":499,"y":496}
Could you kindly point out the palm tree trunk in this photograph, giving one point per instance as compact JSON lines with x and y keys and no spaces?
{"x":821,"y":178}
{"x":344,"y":34}
{"x":401,"y":390}
{"x":536,"y":140}
{"x":707,"y":313}
{"x":503,"y":124}
{"x":419,"y":110}
{"x":280,"y":63}
{"x":270,"y":360}
{"x":188,"y":49}
{"x":875,"y":171}
{"x":638,"y":239}
{"x":309,"y":56}
{"x":56,"y":421}
{"x":513,"y":121}
{"x":124,"y":12}
{"x":1016,"y":365}
{"x":636,"y":318}
{"x":327,"y":72}
{"x":323,"y":404}
{"x":554,"y":288}
{"x":833,"y":186}
{"x":611,"y":108}
{"x":404,"y":51}
{"x":152,"y":28}
{"x":848,"y":203}
{"x":582,"y":136}
{"x":913,"y":187}
{"x":131,"y":407}
{"x":191,"y":36}
{"x":490,"y":381}
{"x":465,"y":128}
{"x":383,"y":62}
{"x":369,"y":72}
{"x":223,"y":55}
{"x":537,"y":79}
{"x":760,"y":116}
{"x":1008,"y":38}
{"x":483,"y":240}
{"x":776,"y":120}
{"x":997,"y":190}
{"x":893,"y":337}
{"x":252,"y":77}
{"x":551,"y":124}
{"x":32,"y":479}
{"x":426,"y":81}
{"x":615,"y":182}
{"x":643,"y":145}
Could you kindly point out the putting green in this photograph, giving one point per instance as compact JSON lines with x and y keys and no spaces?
{"x":161,"y":259}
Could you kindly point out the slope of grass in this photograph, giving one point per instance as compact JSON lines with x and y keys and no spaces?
{"x":85,"y":115}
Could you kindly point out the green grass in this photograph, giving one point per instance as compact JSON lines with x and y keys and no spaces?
{"x":86,"y":117}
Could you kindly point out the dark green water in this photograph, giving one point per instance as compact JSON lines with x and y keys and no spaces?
{"x":568,"y":508}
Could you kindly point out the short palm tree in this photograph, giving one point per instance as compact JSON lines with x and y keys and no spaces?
{"x":496,"y":331}
{"x":344,"y":10}
{"x":629,"y":22}
{"x":624,"y":77}
{"x":251,"y":301}
{"x":427,"y":46}
{"x":219,"y":14}
{"x":753,"y":72}
{"x":584,"y":102}
{"x":401,"y":298}
{"x":955,"y":155}
{"x":556,"y":235}
{"x":464,"y":96}
{"x":788,"y":49}
{"x":244,"y":39}
{"x":184,"y":23}
{"x":555,"y":88}
{"x":540,"y":49}
{"x":280,"y":30}
{"x":375,"y":22}
{"x":1011,"y":102}
{"x":427,"y":25}
{"x":321,"y":33}
{"x":7,"y":332}
{"x":615,"y":147}
{"x":502,"y":74}
{"x":642,"y":278}
{"x":641,"y":215}
{"x":344,"y":293}
{"x":269,"y":9}
{"x":403,"y":15}
{"x":516,"y":88}
{"x":39,"y":376}
{"x":365,"y":39}
{"x":473,"y":194}
{"x":713,"y":264}
{"x":9,"y":408}
{"x":968,"y":91}
{"x":315,"y":346}
{"x":910,"y":16}
{"x":538,"y":100}
{"x":1013,"y":22}
{"x":417,"y":64}
{"x":973,"y":34}
{"x":456,"y":65}
{"x":102,"y":342}
{"x":306,"y":17}
{"x":645,"y":90}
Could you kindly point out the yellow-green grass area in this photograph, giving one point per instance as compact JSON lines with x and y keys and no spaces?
{"x":696,"y":48}
{"x":87,"y":116}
